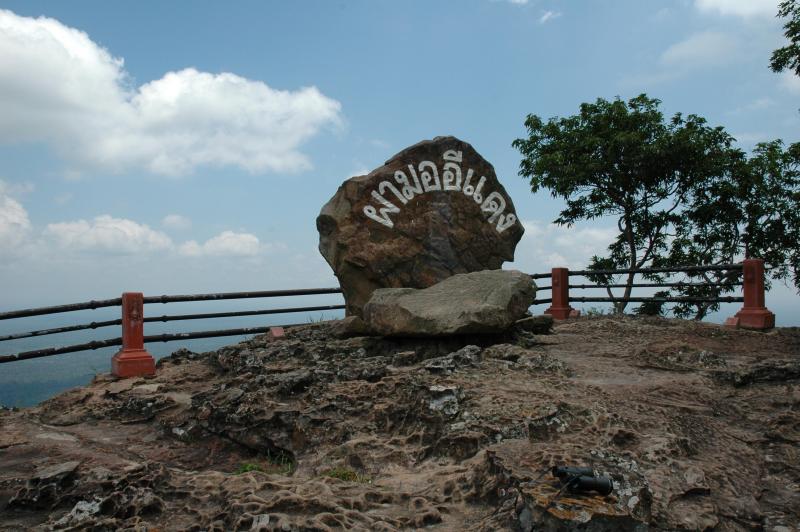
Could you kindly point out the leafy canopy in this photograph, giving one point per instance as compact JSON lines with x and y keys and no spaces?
{"x":680,"y":192}
{"x":788,"y":57}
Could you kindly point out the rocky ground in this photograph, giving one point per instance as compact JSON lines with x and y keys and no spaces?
{"x":698,"y":425}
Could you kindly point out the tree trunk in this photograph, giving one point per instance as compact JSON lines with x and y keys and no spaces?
{"x":619,"y":308}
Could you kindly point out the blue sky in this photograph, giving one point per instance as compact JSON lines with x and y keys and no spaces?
{"x":172,"y":147}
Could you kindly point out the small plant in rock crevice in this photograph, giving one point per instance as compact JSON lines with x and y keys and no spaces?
{"x":347,"y":474}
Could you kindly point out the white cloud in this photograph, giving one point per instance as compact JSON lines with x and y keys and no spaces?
{"x":790,"y":82}
{"x":63,"y":199}
{"x":758,"y":104}
{"x":518,"y":2}
{"x":359,"y":168}
{"x":700,"y":50}
{"x":662,"y":14}
{"x":226,"y":243}
{"x":548,"y":16}
{"x":545,"y":246}
{"x":740,"y":8}
{"x":17,"y":189}
{"x":176,"y":221}
{"x":60,"y":87}
{"x":751,"y":138}
{"x":106,"y":233}
{"x":14,"y":223}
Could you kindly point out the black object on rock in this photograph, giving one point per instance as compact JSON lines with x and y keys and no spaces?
{"x":582,"y":480}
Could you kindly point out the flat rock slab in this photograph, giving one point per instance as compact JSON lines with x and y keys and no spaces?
{"x":433,"y":210}
{"x":488,"y":301}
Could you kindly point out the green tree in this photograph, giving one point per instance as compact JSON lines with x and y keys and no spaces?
{"x":622,"y":159}
{"x":788,"y":57}
{"x":752,"y":211}
{"x":680,"y":191}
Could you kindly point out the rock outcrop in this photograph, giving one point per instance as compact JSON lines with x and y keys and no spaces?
{"x":697,"y":425}
{"x":433,"y":210}
{"x":488,"y":301}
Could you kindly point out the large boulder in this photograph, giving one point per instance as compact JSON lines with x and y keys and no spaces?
{"x":433,"y":210}
{"x":488,"y":301}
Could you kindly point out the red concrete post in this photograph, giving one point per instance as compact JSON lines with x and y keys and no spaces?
{"x":132,"y":360}
{"x":754,"y":314}
{"x":276,"y":333}
{"x":559,"y":308}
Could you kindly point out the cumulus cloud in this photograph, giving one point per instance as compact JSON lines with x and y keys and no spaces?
{"x":699,"y":50}
{"x":176,"y":221}
{"x":546,"y":245}
{"x":740,"y":8}
{"x":227,"y":243}
{"x":60,"y":87}
{"x":106,"y":233}
{"x":548,"y":16}
{"x":14,"y":223}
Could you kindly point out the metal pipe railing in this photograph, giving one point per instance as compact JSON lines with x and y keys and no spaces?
{"x":240,"y":295}
{"x":652,"y":285}
{"x":753,"y":314}
{"x":673,"y":269}
{"x":57,"y":330}
{"x":241,"y":313}
{"x":677,"y":299}
{"x":50,"y":351}
{"x":88,"y":305}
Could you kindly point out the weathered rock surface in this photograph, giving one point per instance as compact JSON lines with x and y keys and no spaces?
{"x":698,"y":425}
{"x":433,"y":210}
{"x":488,"y":301}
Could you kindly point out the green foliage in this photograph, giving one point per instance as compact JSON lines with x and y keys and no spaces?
{"x":754,"y":210}
{"x":622,"y":159}
{"x":278,"y":463}
{"x":680,"y":192}
{"x":347,"y":474}
{"x":247,"y":467}
{"x":653,"y":308}
{"x":788,"y":57}
{"x":593,"y":312}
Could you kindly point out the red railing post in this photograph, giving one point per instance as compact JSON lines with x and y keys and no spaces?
{"x":133,"y":360}
{"x":559,"y":308}
{"x":754,"y":314}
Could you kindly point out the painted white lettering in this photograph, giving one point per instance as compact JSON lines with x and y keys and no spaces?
{"x":428,"y":177}
{"x":409,"y":190}
{"x":493,"y":206}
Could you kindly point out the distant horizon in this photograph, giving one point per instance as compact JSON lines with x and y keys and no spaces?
{"x":176,"y":149}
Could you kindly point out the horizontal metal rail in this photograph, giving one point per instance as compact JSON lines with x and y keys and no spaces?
{"x":674,"y":269}
{"x":540,"y":275}
{"x":548,"y":287}
{"x":98,"y":324}
{"x":43,"y":332}
{"x":61,"y":308}
{"x":241,"y":295}
{"x":240,"y":313}
{"x":542,"y":301}
{"x":657,"y":299}
{"x":653,"y":285}
{"x":207,"y":334}
{"x":50,"y":351}
{"x":90,"y":346}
